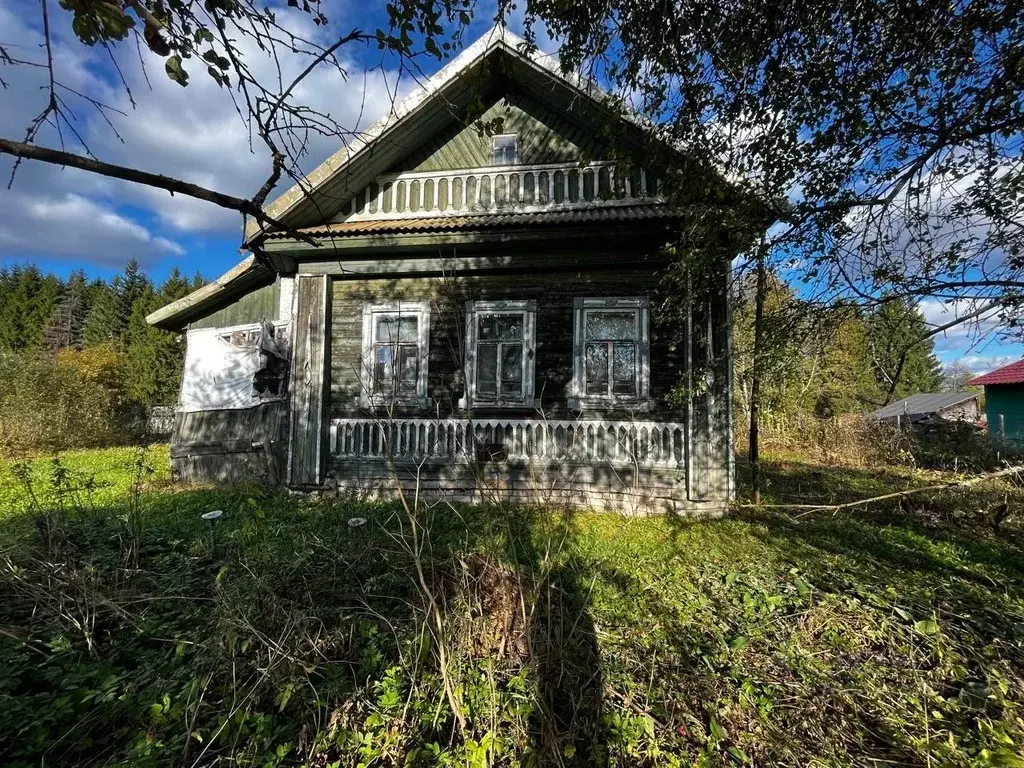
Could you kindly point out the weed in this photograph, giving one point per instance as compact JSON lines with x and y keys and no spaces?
{"x":892,"y":636}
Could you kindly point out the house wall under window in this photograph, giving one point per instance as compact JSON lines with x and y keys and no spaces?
{"x":554,"y":304}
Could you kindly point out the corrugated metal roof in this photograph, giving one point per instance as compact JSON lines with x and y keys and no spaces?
{"x":1008,"y":374}
{"x":923,"y":404}
{"x":623,"y":213}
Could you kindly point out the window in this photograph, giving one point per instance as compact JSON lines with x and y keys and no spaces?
{"x":395,"y":344}
{"x":610,"y":360}
{"x":500,"y":354}
{"x":504,"y":149}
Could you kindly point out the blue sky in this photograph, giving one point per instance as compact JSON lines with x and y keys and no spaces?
{"x":66,"y":219}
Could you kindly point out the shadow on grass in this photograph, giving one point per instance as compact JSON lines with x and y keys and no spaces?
{"x":282,"y":634}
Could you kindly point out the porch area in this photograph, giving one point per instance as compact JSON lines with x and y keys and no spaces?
{"x":635,"y":467}
{"x":419,"y":440}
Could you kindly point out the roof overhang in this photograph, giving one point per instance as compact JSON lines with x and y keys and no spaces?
{"x":494,"y":62}
{"x":244,"y":277}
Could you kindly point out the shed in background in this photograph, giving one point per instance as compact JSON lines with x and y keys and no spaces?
{"x":1004,"y":400}
{"x":929,"y":406}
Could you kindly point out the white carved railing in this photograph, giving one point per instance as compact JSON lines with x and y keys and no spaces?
{"x":628,"y":443}
{"x":507,"y":188}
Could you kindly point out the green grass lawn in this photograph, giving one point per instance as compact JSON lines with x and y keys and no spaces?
{"x":134,"y":633}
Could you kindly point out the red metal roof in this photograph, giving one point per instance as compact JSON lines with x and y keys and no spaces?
{"x":1008,"y":374}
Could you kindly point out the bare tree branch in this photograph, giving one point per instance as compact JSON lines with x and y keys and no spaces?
{"x":25,"y":151}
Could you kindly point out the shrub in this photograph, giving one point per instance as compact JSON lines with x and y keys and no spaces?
{"x":71,"y":400}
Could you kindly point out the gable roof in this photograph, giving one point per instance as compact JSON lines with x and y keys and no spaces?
{"x":923,"y":404}
{"x":497,"y":57}
{"x":1008,"y":374}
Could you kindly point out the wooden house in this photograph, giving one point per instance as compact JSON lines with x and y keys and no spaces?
{"x":468,"y":300}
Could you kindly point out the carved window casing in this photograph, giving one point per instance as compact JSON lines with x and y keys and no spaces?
{"x":500,"y":354}
{"x":611,"y":353}
{"x":395,"y":353}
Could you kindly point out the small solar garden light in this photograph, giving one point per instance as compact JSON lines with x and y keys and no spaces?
{"x":212,"y":517}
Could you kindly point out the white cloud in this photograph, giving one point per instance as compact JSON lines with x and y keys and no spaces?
{"x":986,"y":363}
{"x":78,"y":227}
{"x":192,"y":133}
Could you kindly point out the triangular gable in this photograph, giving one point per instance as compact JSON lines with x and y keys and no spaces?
{"x":496,"y":65}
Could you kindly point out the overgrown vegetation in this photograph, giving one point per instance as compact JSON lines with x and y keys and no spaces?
{"x":285,"y":633}
{"x":79,"y":363}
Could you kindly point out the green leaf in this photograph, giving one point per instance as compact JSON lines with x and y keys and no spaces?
{"x":905,"y":615}
{"x":718,"y":733}
{"x":739,"y":755}
{"x":175,"y":71}
{"x":738,"y":642}
{"x":927,"y":627}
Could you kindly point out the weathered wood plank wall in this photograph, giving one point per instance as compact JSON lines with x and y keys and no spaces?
{"x":261,"y":304}
{"x":310,"y":359}
{"x":544,"y":136}
{"x":246,"y":444}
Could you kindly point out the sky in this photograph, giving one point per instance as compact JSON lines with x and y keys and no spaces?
{"x":63,"y":219}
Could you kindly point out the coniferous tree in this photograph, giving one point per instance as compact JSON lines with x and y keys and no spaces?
{"x":153,"y":358}
{"x":66,"y":326}
{"x":29,"y":300}
{"x":903,"y":360}
{"x":112,"y":310}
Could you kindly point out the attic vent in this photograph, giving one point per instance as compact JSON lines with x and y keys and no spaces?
{"x":504,"y":149}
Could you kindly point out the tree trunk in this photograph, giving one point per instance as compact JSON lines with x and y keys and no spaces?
{"x":755,"y":382}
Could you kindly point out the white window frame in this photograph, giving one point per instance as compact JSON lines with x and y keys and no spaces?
{"x":371,"y":312}
{"x":515,"y":158}
{"x":474,"y":309}
{"x":578,"y":397}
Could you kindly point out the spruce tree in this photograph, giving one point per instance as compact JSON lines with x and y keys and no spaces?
{"x":112,"y":309}
{"x":153,"y":358}
{"x":30,"y":298}
{"x":896,"y":329}
{"x":66,"y":326}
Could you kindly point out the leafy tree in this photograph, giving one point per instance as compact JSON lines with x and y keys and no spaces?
{"x":955,"y":376}
{"x":218,"y":39}
{"x":902,"y":354}
{"x":893,"y":131}
{"x":153,"y":358}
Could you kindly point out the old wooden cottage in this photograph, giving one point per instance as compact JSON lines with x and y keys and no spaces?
{"x":470,"y":302}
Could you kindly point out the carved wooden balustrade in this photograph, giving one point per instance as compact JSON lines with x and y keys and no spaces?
{"x":626,"y":443}
{"x":502,"y":189}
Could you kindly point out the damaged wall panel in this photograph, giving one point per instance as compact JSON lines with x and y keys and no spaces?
{"x":231,"y":445}
{"x":228,"y":368}
{"x":232,"y":417}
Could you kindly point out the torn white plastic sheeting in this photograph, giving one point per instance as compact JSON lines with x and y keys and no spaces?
{"x":218,"y":375}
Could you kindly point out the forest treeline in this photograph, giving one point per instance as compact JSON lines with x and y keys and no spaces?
{"x":829,"y":361}
{"x":80,"y":365}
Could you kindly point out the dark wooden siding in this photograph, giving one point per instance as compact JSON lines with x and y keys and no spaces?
{"x":544,"y":136}
{"x":554,"y":295}
{"x":257,"y":306}
{"x":231,"y":445}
